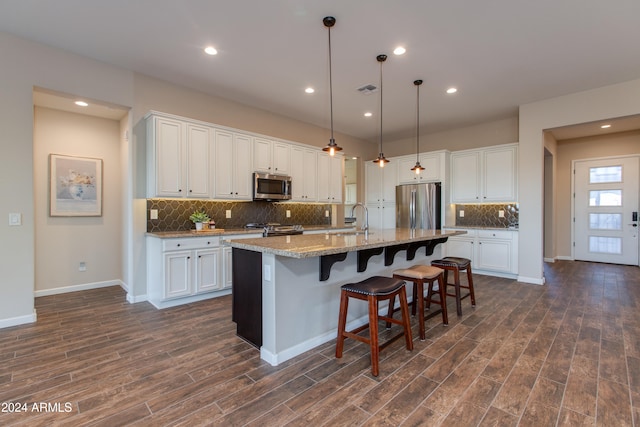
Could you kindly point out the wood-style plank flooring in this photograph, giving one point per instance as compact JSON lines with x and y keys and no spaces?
{"x":567,"y":353}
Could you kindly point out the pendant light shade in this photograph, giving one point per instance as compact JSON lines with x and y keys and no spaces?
{"x":418,"y":167}
{"x":329,"y":22}
{"x":381,"y":160}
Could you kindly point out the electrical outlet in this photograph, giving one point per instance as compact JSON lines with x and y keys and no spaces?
{"x":501,"y":213}
{"x":82,"y":266}
{"x":15,"y":219}
{"x":228,"y":213}
{"x":288,"y":213}
{"x":461,"y":214}
{"x":326,"y":213}
{"x":153,"y":214}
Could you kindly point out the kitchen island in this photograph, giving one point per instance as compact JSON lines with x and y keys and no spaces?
{"x":286,"y":289}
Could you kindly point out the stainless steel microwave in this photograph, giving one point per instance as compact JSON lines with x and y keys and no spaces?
{"x":267,"y":186}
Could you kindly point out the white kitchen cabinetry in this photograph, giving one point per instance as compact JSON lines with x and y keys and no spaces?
{"x":380,"y":194}
{"x":233,"y":160}
{"x":178,"y":158}
{"x":330,"y":177}
{"x":430,"y":163}
{"x":190,"y":268}
{"x":485,"y":176}
{"x":492,"y":252}
{"x":271,"y":156}
{"x":304,"y":174}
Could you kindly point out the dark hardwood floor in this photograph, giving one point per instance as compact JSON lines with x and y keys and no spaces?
{"x":567,"y":353}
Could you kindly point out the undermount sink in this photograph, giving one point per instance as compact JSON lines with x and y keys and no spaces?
{"x":349,"y":233}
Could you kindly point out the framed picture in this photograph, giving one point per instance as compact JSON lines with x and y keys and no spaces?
{"x":75,"y":186}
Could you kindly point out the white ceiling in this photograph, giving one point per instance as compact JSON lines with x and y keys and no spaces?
{"x":499,"y":53}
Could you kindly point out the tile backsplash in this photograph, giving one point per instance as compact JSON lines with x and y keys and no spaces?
{"x":487,"y":215}
{"x":173,"y":214}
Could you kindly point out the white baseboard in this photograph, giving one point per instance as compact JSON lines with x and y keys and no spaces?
{"x":549,"y":260}
{"x":75,"y":288}
{"x":565,"y":258}
{"x":132,"y":299}
{"x":20,"y":320}
{"x":532,"y":280}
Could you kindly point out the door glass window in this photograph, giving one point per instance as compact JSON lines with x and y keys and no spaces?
{"x":605,"y":221}
{"x":605,"y":198}
{"x":605,"y":245}
{"x":605,"y":174}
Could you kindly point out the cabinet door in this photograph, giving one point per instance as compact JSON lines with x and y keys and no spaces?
{"x":431,"y":172}
{"x":198,"y":145}
{"x":169,"y":158}
{"x":461,"y":247}
{"x":224,"y":164}
{"x":243,"y":175}
{"x":281,"y":158}
{"x":227,"y":267}
{"x":493,"y":254}
{"x":336,"y":178}
{"x":376,"y":217}
{"x":465,"y":177}
{"x":389,"y":182}
{"x":324,"y":175}
{"x":499,"y":175}
{"x":207,"y":270}
{"x":351,"y":194}
{"x":310,"y":161}
{"x":298,"y":174}
{"x":177,"y":274}
{"x":373,"y":180}
{"x":388,"y":215}
{"x":262,"y":155}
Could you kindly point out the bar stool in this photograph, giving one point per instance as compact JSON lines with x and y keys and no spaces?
{"x":373,"y":290}
{"x":457,"y":265}
{"x":419,"y":275}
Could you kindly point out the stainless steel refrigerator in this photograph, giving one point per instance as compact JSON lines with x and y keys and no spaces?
{"x":418,"y":206}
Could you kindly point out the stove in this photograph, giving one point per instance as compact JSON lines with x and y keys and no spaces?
{"x":270,"y":229}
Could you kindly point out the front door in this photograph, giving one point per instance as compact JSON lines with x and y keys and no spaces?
{"x":606,"y":210}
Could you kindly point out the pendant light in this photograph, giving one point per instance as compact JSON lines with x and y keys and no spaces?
{"x":329,"y":22}
{"x":381,"y":160}
{"x":418,"y":167}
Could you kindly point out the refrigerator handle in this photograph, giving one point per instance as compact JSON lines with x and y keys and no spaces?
{"x":412,"y":210}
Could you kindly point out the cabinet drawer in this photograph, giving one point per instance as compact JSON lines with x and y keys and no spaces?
{"x":187,"y":243}
{"x":495,"y":234}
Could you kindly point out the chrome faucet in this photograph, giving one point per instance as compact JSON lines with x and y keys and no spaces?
{"x":365,"y":226}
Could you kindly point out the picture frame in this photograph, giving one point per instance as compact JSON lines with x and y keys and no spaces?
{"x":75,"y":186}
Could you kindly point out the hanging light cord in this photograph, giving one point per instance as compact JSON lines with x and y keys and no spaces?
{"x":381,"y":61}
{"x":418,"y":123}
{"x":330,"y":88}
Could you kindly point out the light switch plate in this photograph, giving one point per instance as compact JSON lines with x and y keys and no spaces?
{"x":461,"y":214}
{"x":288,"y":213}
{"x":228,"y":213}
{"x":153,"y":214}
{"x":501,"y":213}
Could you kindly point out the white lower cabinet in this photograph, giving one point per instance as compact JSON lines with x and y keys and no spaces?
{"x":492,"y":252}
{"x":187,"y":269}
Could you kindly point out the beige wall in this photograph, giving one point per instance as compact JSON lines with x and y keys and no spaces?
{"x":617,"y":144}
{"x":504,"y":131}
{"x":63,"y":242}
{"x":550,"y":195}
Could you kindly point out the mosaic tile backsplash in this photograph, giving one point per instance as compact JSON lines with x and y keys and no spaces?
{"x":173,"y":214}
{"x":487,"y":215}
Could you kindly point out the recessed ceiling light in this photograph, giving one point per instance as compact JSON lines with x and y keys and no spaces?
{"x":605,"y":126}
{"x":399,"y":50}
{"x":368,"y":114}
{"x":452,"y":90}
{"x":81,"y":104}
{"x":210,"y":50}
{"x":309,"y":90}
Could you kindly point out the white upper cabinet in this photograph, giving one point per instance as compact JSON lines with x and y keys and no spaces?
{"x":271,"y":156}
{"x":178,"y":158}
{"x":330,"y":178}
{"x":380,"y":183}
{"x":485,"y":176}
{"x":430,"y":163}
{"x":304,"y":174}
{"x":233,"y":160}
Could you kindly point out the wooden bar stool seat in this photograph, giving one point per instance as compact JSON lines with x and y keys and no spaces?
{"x":457,"y":265}
{"x":419,"y":275}
{"x":373,"y":290}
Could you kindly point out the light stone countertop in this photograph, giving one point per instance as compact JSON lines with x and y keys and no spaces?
{"x":234,"y":231}
{"x":313,"y":245}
